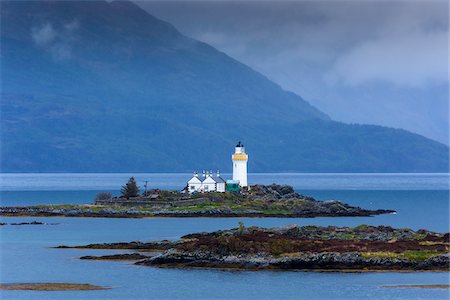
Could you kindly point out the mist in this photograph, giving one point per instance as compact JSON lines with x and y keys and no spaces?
{"x":375,"y":62}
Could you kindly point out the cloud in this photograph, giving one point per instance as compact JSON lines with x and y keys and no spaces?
{"x":57,"y":40}
{"x":71,"y":26}
{"x":370,"y":40}
{"x":61,"y":51}
{"x":414,"y":60}
{"x":43,"y":35}
{"x":380,"y":62}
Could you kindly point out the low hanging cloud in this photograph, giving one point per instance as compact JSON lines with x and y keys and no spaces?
{"x":344,"y":42}
{"x":376,"y":62}
{"x":43,"y":35}
{"x":414,"y":60}
{"x":57,"y":40}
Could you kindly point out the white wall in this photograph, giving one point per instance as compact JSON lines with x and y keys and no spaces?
{"x":240,"y":172}
{"x":221,"y":187}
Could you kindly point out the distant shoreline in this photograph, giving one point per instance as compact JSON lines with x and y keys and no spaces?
{"x":259,"y":201}
{"x":84,"y":211}
{"x":174,"y":215}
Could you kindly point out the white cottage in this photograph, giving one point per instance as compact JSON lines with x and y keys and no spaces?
{"x":194,"y":184}
{"x":208,"y":183}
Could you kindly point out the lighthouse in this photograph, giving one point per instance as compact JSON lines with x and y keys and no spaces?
{"x":240,"y":159}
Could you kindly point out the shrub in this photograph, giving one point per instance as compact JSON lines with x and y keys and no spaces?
{"x":103,"y":196}
{"x":241,"y":227}
{"x":279,"y":246}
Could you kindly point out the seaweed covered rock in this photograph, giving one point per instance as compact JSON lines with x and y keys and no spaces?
{"x":310,"y":247}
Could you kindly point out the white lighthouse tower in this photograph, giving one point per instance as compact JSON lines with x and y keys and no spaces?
{"x":240,"y":159}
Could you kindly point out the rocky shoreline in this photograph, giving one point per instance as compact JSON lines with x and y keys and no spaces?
{"x":260,"y":201}
{"x":91,"y":211}
{"x":51,"y":286}
{"x":363,"y":248}
{"x":125,"y":256}
{"x":27,"y":223}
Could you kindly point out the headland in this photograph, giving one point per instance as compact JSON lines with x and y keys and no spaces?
{"x":256,"y":201}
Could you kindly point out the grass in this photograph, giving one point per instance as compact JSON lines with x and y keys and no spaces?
{"x":276,"y":211}
{"x":362,"y":226}
{"x":419,"y":236}
{"x":414,"y":255}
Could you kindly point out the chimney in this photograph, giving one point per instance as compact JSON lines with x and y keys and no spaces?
{"x":195,"y":174}
{"x":218,"y":173}
{"x":204,"y":174}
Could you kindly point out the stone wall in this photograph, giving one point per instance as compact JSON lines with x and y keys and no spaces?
{"x":149,"y":202}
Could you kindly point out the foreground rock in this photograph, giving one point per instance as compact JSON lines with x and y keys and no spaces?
{"x":363,"y":248}
{"x":51,"y":287}
{"x":259,"y":201}
{"x":310,"y":248}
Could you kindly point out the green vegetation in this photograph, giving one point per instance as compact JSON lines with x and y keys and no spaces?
{"x":241,"y":227}
{"x":280,"y":246}
{"x":414,"y":255}
{"x":362,"y":226}
{"x":419,"y":236}
{"x":130,"y":189}
{"x":103,"y":196}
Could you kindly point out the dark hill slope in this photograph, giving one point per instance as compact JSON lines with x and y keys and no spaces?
{"x":91,"y":86}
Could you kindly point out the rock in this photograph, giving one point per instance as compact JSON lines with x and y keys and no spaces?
{"x":125,"y":256}
{"x":28,"y":223}
{"x":135,"y":245}
{"x":309,"y":247}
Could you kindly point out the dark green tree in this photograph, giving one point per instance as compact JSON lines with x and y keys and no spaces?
{"x":130,"y":189}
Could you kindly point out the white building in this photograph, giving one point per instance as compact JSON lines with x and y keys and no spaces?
{"x":210,"y":183}
{"x":240,"y":159}
{"x":207,"y":183}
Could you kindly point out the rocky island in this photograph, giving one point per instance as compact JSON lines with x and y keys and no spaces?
{"x":362,"y":248}
{"x":258,"y":201}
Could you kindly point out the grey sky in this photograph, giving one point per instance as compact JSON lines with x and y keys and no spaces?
{"x":379,"y":62}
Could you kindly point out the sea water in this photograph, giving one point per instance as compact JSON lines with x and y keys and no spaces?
{"x":421,"y":201}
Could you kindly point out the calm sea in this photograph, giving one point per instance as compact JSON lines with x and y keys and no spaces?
{"x":421,"y":200}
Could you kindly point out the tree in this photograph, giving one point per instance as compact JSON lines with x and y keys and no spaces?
{"x":130,"y":189}
{"x":103,"y":196}
{"x":241,"y":227}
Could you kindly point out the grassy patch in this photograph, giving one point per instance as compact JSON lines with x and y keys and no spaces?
{"x":276,"y":211}
{"x":413,"y":255}
{"x":362,"y":226}
{"x":418,"y":236}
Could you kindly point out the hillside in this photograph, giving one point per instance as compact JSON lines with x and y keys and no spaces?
{"x":92,"y":86}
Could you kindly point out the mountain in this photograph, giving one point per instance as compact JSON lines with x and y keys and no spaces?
{"x":96,"y":86}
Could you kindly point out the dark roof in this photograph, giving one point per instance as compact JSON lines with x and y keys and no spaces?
{"x":218,"y":179}
{"x":195,"y":177}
